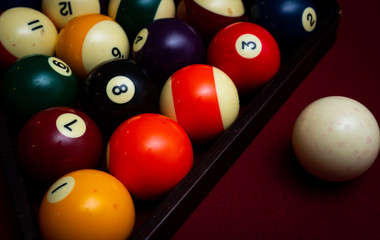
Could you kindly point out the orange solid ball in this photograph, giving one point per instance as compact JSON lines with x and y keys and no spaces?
{"x":87,"y":204}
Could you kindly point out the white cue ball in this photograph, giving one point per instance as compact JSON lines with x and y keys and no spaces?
{"x":336,"y":138}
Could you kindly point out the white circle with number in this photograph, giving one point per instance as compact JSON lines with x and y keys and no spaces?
{"x":60,"y":189}
{"x":309,"y":19}
{"x":71,"y":125}
{"x":59,"y":66}
{"x":120,"y":89}
{"x":140,"y":40}
{"x":248,"y":46}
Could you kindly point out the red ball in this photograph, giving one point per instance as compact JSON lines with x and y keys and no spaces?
{"x":150,"y":154}
{"x":57,"y":141}
{"x":248,"y":53}
{"x":202,"y":99}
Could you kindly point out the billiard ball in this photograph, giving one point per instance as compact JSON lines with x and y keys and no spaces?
{"x":37,"y":82}
{"x":202,"y":99}
{"x":90,"y":39}
{"x":290,"y":21}
{"x":7,"y":4}
{"x":135,"y":15}
{"x":209,"y":16}
{"x":167,"y":45}
{"x":60,"y":12}
{"x":56,"y":141}
{"x":25,"y":31}
{"x":115,"y":91}
{"x":150,"y":154}
{"x":247,"y":53}
{"x":336,"y":138}
{"x":86,"y":204}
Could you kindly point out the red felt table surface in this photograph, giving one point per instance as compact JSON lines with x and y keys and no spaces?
{"x":266,"y":194}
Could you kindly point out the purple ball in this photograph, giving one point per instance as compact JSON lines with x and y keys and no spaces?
{"x":167,"y":45}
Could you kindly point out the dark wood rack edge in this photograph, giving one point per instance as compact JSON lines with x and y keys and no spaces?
{"x":27,"y":224}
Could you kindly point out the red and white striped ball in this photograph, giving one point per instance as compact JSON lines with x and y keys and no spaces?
{"x":202,"y":99}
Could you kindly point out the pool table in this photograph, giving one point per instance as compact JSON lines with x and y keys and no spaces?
{"x":250,"y":184}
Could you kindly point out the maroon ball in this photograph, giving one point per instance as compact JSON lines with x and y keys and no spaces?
{"x":57,"y":141}
{"x":165,"y":46}
{"x":208,"y":17}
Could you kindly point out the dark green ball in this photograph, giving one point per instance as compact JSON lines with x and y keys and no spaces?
{"x":134,"y":15}
{"x":36,"y":82}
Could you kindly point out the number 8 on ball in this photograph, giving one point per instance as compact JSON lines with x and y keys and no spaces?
{"x":120,"y":89}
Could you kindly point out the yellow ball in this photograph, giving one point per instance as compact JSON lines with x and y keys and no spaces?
{"x":87,"y":204}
